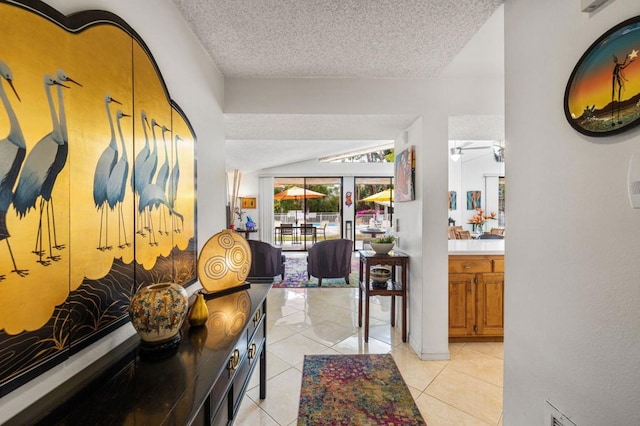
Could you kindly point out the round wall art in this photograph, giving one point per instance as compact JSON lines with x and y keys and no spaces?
{"x":602,"y":97}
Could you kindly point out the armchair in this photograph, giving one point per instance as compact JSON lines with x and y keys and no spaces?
{"x":266,"y":261}
{"x":330,"y":259}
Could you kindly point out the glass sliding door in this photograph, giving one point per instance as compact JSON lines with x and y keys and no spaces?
{"x":306,"y":210}
{"x":374,"y":208}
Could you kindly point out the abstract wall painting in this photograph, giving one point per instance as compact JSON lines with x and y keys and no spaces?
{"x":405,"y":171}
{"x":81,"y":229}
{"x":453,"y":202}
{"x":474,"y":200}
{"x":602,"y":96}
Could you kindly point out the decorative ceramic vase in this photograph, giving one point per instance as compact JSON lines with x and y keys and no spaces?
{"x":380,"y":274}
{"x":382,"y":248}
{"x":157,"y":313}
{"x":199,"y":312}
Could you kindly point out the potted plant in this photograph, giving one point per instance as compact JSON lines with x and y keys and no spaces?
{"x":383,"y":245}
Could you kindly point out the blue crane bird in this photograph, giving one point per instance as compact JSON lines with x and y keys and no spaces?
{"x":174,"y":179}
{"x":147,"y":171}
{"x":152,"y":195}
{"x":161,"y":180}
{"x":12,"y":153}
{"x":105,"y":165}
{"x":41,"y":169}
{"x":137,"y":182}
{"x":117,"y":184}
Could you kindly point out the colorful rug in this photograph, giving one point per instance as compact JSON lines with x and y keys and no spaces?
{"x":355,"y":390}
{"x":295,"y":274}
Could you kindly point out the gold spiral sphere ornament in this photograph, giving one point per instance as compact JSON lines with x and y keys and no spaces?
{"x":224,"y":262}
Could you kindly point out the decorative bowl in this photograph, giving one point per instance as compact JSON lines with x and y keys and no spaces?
{"x":382,"y":248}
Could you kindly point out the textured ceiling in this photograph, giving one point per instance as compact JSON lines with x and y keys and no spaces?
{"x":343,"y":39}
{"x":334,"y":38}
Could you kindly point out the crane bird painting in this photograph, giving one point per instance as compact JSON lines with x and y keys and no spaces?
{"x":104,"y":167}
{"x":12,"y":152}
{"x":68,"y":172}
{"x":42,"y":166}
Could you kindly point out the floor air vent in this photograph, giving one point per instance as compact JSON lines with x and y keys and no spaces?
{"x":555,"y":417}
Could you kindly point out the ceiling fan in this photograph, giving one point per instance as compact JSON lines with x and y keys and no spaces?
{"x":456,"y":152}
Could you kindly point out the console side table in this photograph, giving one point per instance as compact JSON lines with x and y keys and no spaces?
{"x":393,"y":287}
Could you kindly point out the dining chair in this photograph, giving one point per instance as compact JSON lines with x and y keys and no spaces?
{"x":463,"y":235}
{"x":451,"y":232}
{"x":497,"y":231}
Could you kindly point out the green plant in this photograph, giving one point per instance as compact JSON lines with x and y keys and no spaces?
{"x":385,"y":240}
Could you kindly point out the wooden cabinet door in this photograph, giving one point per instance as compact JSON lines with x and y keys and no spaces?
{"x":461,"y":304}
{"x":490,"y":304}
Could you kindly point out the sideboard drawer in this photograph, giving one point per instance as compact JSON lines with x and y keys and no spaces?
{"x":254,"y":322}
{"x":498,"y":265}
{"x":462,"y":266}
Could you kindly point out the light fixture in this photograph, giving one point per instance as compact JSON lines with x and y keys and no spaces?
{"x":224,"y":263}
{"x":456,"y":153}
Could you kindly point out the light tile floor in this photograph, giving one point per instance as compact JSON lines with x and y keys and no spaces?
{"x":466,"y":390}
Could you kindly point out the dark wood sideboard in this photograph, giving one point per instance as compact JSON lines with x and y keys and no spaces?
{"x":201,"y":384}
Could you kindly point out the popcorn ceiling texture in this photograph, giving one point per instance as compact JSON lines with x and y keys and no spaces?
{"x":334,"y":38}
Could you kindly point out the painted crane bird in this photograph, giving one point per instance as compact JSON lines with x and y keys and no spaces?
{"x":144,"y":175}
{"x":117,"y":184}
{"x":137,"y":182}
{"x":12,"y":152}
{"x":41,"y":169}
{"x":161,"y":180}
{"x":172,"y":193}
{"x":104,"y":167}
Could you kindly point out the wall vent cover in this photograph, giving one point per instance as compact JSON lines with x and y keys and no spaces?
{"x":555,"y":417}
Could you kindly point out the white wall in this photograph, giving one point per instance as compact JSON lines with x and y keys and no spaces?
{"x":572,"y":287}
{"x":197,"y":86}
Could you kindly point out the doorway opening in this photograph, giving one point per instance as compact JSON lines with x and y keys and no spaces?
{"x":306,"y":210}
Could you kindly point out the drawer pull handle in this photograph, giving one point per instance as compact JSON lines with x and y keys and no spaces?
{"x":467,"y":266}
{"x":234,"y":360}
{"x":252,"y":351}
{"x":256,"y":317}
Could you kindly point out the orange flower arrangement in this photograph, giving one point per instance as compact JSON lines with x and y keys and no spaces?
{"x":479,"y":218}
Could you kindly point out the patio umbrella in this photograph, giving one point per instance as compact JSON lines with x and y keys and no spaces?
{"x":297,"y":193}
{"x":380,"y":197}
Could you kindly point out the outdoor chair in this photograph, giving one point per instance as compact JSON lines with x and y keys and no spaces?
{"x":308,"y":229}
{"x":267,"y":261}
{"x":285,"y":229}
{"x":330,"y":259}
{"x":322,"y":228}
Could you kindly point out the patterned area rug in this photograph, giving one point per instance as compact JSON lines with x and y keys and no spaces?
{"x":295,"y":274}
{"x":355,"y":390}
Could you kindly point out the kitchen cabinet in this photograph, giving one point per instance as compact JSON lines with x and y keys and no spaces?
{"x":476,"y":297}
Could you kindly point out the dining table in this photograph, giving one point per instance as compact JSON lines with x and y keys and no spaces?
{"x":373,"y":231}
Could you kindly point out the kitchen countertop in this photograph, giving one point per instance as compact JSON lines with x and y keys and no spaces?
{"x":479,"y":247}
